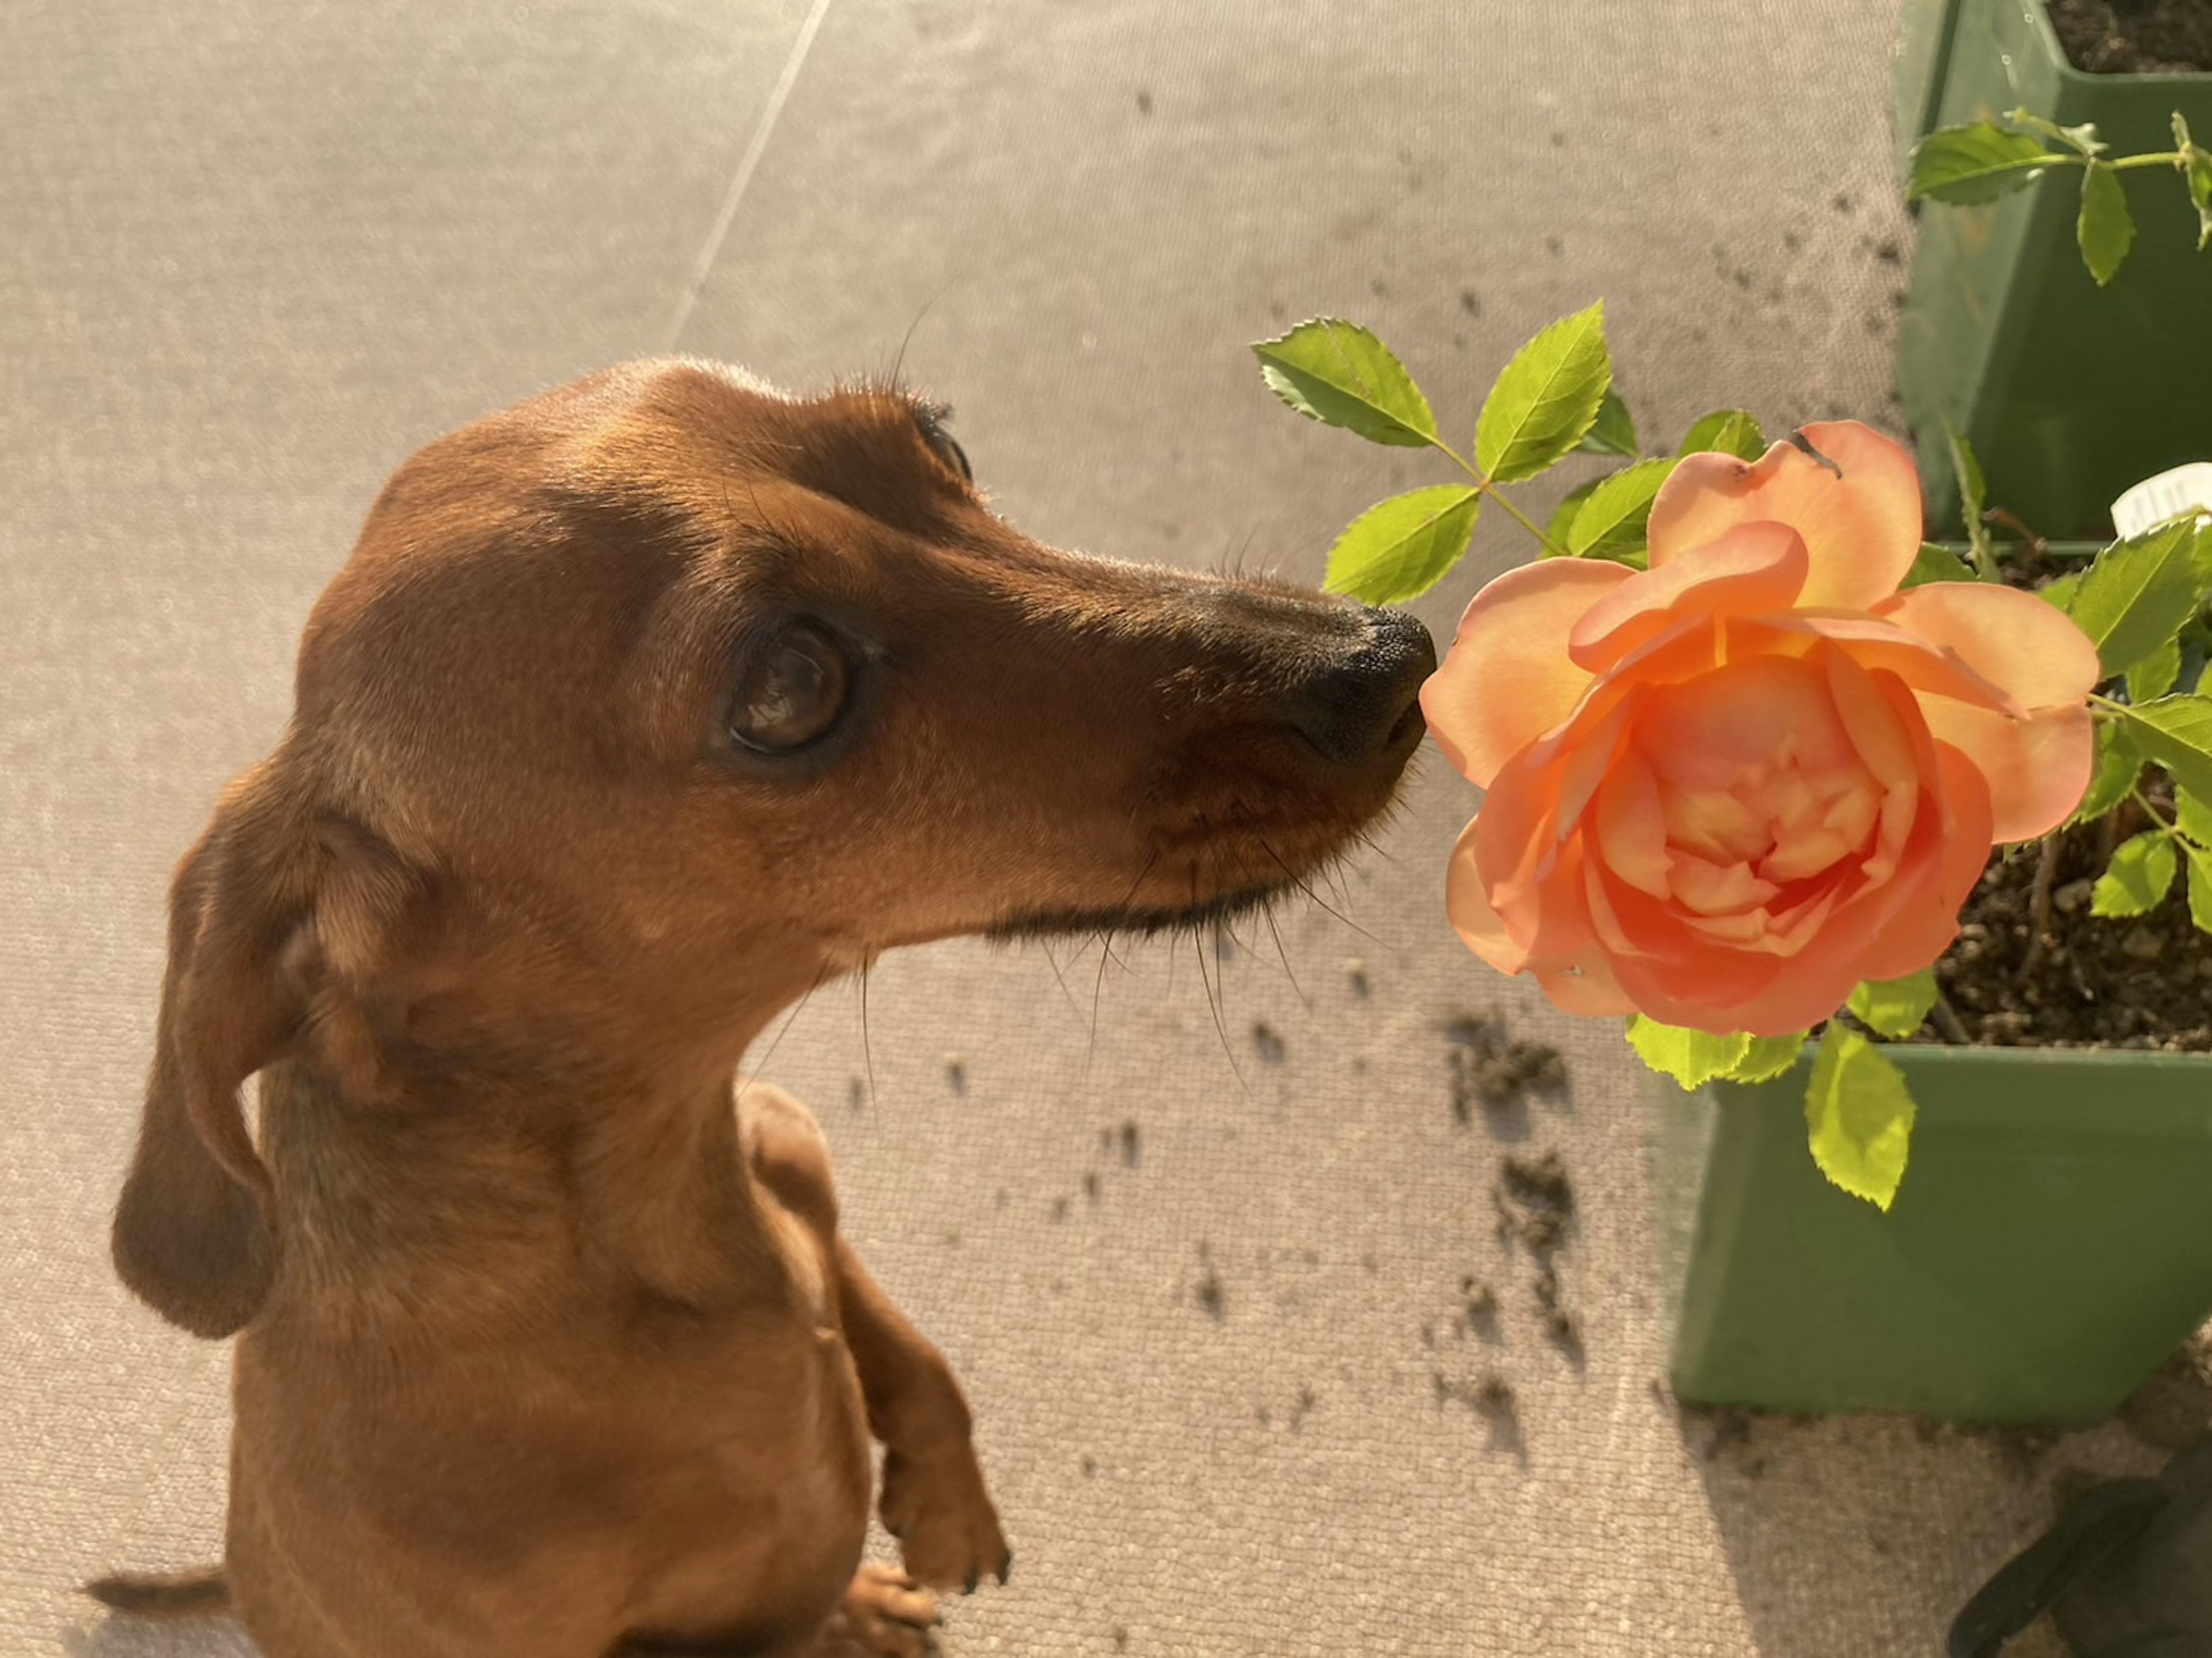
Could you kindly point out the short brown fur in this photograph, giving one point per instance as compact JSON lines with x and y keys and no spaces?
{"x":548,"y":1342}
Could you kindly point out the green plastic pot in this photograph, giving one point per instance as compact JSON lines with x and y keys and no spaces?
{"x":1916,"y":84}
{"x":2070,"y":392}
{"x":2051,"y":1246}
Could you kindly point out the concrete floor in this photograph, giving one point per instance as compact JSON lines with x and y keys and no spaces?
{"x":253,"y":253}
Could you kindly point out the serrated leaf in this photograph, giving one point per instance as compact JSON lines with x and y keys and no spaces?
{"x":2196,"y":169}
{"x":1727,"y":432}
{"x":1614,"y":520}
{"x":2192,"y":817}
{"x":1562,"y":516}
{"x":2138,"y":878}
{"x":1895,"y":1007}
{"x":1546,"y":400}
{"x":1399,"y":549}
{"x":2176,"y":731}
{"x":2200,"y":888}
{"x":2118,"y":766}
{"x":2082,"y":138}
{"x":2105,"y":229}
{"x":1340,"y":374}
{"x":1937,"y":563}
{"x":2153,"y":677}
{"x":1691,"y":1057}
{"x":1614,"y":431}
{"x":2059,"y":590}
{"x":1767,"y":1057}
{"x":2137,"y":594}
{"x":1860,"y":1115}
{"x":1973,"y":495}
{"x":1974,"y":163}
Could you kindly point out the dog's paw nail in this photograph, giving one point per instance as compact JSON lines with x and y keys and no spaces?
{"x":1006,"y":1566}
{"x":973,"y":1578}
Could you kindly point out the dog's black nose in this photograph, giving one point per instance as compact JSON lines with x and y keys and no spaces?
{"x":1365,"y":706}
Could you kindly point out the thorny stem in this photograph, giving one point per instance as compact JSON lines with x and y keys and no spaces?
{"x":1948,"y":1021}
{"x":2038,"y":905}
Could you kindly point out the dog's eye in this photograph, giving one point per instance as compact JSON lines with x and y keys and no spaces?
{"x":932,"y":422}
{"x":791,"y":691}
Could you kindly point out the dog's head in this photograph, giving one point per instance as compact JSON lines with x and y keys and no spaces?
{"x":644,"y":707}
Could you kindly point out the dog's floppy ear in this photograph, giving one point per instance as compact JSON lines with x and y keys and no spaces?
{"x":194,"y":1231}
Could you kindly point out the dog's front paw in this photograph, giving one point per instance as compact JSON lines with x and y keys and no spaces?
{"x":947,"y":1529}
{"x":886,"y":1614}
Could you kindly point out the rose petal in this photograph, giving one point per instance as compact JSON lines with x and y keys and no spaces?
{"x":1862,"y":530}
{"x":1876,"y":645}
{"x":2036,"y":769}
{"x":2016,"y":640}
{"x":1751,"y":568}
{"x":1467,"y":902}
{"x":1508,"y":677}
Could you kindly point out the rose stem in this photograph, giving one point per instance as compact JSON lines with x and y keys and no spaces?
{"x":2038,"y":904}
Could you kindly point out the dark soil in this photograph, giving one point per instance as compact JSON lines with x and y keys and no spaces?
{"x":1489,"y":1067}
{"x":2136,"y":37}
{"x":2030,"y":972}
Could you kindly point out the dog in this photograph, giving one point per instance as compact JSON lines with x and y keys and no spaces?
{"x":639,"y":711}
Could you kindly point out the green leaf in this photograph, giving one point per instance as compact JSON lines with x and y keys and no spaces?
{"x":1767,"y":1057}
{"x":1860,"y":1114}
{"x":2192,"y":817}
{"x":2153,"y":677}
{"x":2119,"y":764}
{"x":1895,"y":1007}
{"x":1977,"y":162}
{"x":1973,"y":495}
{"x":1691,"y":1057}
{"x":1613,"y":520}
{"x":2195,"y":166}
{"x":2137,"y":594}
{"x":2138,"y":877}
{"x":1614,"y":433}
{"x":1547,"y":400}
{"x":2200,"y":887}
{"x":2082,"y":138}
{"x":2060,"y":591}
{"x":1340,"y":374}
{"x":1562,"y":516}
{"x":2176,"y":731}
{"x":1937,"y":563}
{"x":1399,"y":549}
{"x":1727,"y":432}
{"x":2105,"y":229}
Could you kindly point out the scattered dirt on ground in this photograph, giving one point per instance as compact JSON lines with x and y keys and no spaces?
{"x":1355,"y":975}
{"x":1488,"y":1394}
{"x":1267,"y":1042}
{"x":2174,"y":1407}
{"x":1488,"y":1066}
{"x":1212,"y":1295}
{"x":2136,"y":37}
{"x":955,"y":1073}
{"x":2033,"y":967}
{"x":1130,"y":1143}
{"x":1535,"y":1207}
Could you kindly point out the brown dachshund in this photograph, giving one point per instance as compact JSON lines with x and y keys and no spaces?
{"x":640,"y":710}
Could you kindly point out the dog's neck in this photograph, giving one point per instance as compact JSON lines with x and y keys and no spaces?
{"x":491,"y":1207}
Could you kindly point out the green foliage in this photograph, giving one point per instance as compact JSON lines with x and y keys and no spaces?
{"x":2200,"y":886}
{"x":2119,"y":764}
{"x":1977,"y":162}
{"x":1895,"y":1007}
{"x":1614,"y":431}
{"x":2176,"y":731}
{"x":1727,"y":432}
{"x":1694,"y":1057}
{"x":1612,"y":522}
{"x":1546,"y":400}
{"x":1399,"y":549}
{"x":1973,"y":499}
{"x":2105,"y":229}
{"x":1860,"y":1115}
{"x":2136,"y":597}
{"x":1340,"y":374}
{"x":2196,"y":167}
{"x":1937,"y":563}
{"x":2139,"y":877}
{"x":2155,"y":675}
{"x":1562,"y":516}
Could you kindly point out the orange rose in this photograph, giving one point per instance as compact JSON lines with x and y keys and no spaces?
{"x":1723,"y":791}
